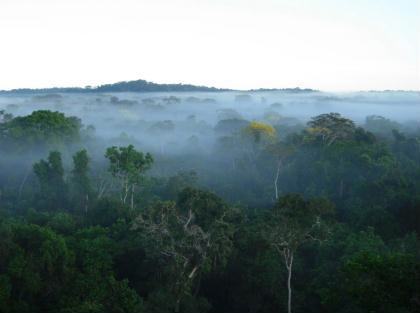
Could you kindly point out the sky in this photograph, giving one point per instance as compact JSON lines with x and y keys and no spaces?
{"x":332,"y":45}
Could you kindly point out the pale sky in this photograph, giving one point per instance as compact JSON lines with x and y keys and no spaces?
{"x":323,"y":44}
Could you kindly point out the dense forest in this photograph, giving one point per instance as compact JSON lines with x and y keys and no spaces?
{"x":227,"y":202}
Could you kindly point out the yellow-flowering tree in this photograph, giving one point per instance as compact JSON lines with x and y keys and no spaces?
{"x":260,"y":132}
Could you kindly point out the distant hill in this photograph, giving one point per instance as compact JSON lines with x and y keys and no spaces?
{"x":139,"y":86}
{"x":125,"y":86}
{"x":145,"y":86}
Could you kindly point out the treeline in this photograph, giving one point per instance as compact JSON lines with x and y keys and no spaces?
{"x":125,"y":86}
{"x":140,"y":85}
{"x":338,"y":231}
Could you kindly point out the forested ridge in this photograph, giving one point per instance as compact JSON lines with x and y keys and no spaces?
{"x":139,"y":85}
{"x":322,"y":217}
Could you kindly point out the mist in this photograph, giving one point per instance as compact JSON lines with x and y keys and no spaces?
{"x":155,"y":121}
{"x":269,"y":163}
{"x":185,"y":131}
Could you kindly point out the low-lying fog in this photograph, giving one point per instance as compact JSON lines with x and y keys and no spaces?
{"x":186,"y":131}
{"x":170,"y":121}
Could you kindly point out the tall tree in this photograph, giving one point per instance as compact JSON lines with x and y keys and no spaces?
{"x":128,"y":166}
{"x":260,"y":132}
{"x":40,"y":129}
{"x":50,"y":174}
{"x":192,"y":235}
{"x":81,"y":187}
{"x":282,"y":151}
{"x":329,"y":128}
{"x":293,"y":222}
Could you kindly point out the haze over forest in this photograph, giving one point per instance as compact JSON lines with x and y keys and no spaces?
{"x":88,"y":162}
{"x":281,"y":174}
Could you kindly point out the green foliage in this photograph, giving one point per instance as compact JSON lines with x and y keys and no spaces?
{"x":34,"y":263}
{"x":329,"y":128}
{"x":381,"y":125}
{"x":383,"y":283}
{"x":41,"y":129}
{"x":179,"y":182}
{"x":127,"y":162}
{"x":295,"y":221}
{"x":71,"y":243}
{"x":80,"y":181}
{"x":50,"y":174}
{"x":128,"y":165}
{"x":230,"y":125}
{"x":190,"y":237}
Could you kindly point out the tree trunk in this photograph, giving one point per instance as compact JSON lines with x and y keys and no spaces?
{"x":288,"y":260}
{"x":125,"y":192}
{"x":276,"y":179}
{"x":289,"y":285}
{"x":197,"y":289}
{"x":23,"y":183}
{"x":102,"y":187}
{"x":184,"y":285}
{"x":132,"y":196}
{"x":86,"y":203}
{"x":191,"y":276}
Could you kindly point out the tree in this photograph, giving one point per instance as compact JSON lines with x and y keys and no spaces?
{"x":128,"y":166}
{"x":281,"y":151}
{"x":171,"y":100}
{"x":329,"y":128}
{"x":272,"y":117}
{"x":293,"y":222}
{"x":228,"y":114}
{"x":230,"y":126}
{"x":33,"y":265}
{"x":81,"y":186}
{"x":94,"y":287}
{"x":192,"y":235}
{"x":40,"y":129}
{"x":162,"y":127}
{"x":381,"y":125}
{"x":5,"y":117}
{"x":50,"y":175}
{"x":383,"y":283}
{"x":256,"y":135}
{"x":260,"y":132}
{"x":179,"y":182}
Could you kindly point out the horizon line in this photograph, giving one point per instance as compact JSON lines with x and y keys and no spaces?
{"x":93,"y":88}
